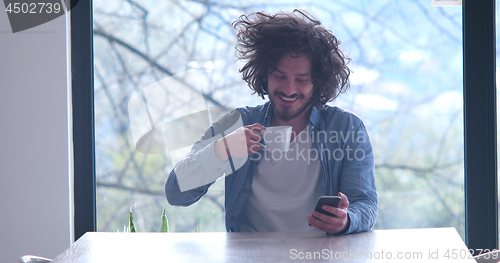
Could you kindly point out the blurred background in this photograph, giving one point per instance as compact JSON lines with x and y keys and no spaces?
{"x":406,"y":85}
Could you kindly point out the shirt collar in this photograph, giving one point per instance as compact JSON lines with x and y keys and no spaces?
{"x":268,"y":115}
{"x":314,"y":118}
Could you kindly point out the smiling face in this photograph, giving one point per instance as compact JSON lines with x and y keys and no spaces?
{"x":290,"y":87}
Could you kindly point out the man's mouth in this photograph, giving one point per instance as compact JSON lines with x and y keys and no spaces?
{"x":288,"y":98}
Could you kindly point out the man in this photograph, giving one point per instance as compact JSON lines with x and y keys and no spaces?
{"x":299,"y":66}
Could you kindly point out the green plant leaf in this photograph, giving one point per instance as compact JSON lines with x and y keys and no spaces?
{"x":131,"y":225}
{"x":164,"y":222}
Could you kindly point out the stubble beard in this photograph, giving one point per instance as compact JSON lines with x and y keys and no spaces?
{"x":286,"y":115}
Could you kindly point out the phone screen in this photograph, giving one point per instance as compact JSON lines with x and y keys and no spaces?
{"x":327,"y":200}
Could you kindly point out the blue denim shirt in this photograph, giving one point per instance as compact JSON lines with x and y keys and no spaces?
{"x":340,"y":138}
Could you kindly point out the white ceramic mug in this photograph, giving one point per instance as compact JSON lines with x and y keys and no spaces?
{"x":277,"y":138}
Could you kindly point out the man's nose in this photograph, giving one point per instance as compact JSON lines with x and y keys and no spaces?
{"x":289,"y":88}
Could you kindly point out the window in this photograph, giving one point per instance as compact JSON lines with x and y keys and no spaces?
{"x":399,"y":87}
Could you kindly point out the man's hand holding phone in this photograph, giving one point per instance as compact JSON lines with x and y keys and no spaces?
{"x":337,"y":223}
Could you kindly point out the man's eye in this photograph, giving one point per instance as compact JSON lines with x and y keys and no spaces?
{"x":303,"y":80}
{"x":279,"y":77}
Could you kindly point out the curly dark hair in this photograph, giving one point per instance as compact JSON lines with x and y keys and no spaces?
{"x":263,"y":39}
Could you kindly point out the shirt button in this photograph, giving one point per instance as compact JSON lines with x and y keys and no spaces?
{"x":255,"y":162}
{"x":232,"y":217}
{"x":246,"y":190}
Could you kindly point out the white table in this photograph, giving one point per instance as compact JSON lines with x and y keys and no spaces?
{"x":402,"y":245}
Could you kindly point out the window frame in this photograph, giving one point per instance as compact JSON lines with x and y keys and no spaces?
{"x":480,"y":127}
{"x":82,"y":92}
{"x":480,"y":148}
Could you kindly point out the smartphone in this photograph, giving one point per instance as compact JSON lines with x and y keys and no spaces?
{"x":327,"y":200}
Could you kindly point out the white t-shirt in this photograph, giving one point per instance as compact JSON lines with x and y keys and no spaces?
{"x":285,"y":189}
